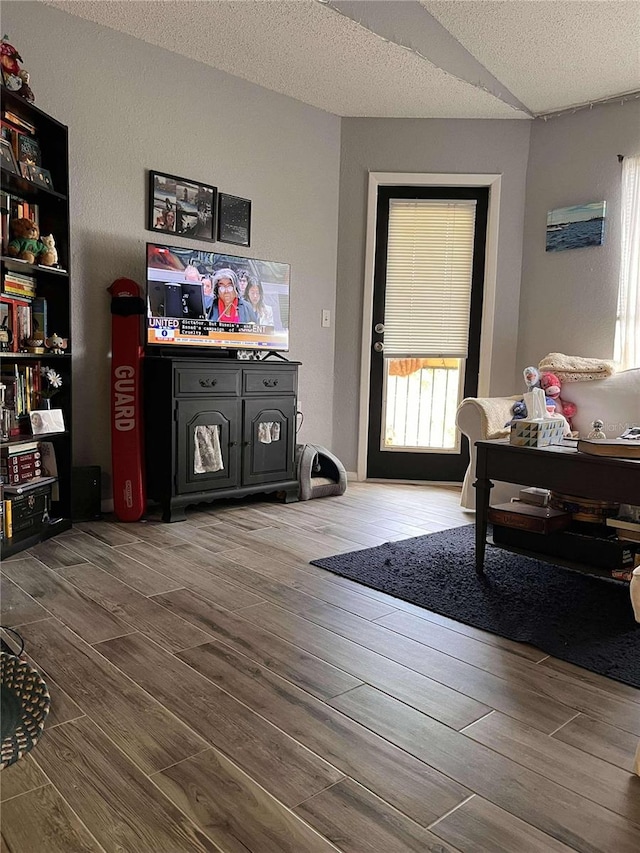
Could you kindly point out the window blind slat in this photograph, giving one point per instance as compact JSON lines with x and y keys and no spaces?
{"x":428,"y":285}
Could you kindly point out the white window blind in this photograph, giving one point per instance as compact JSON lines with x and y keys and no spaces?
{"x":428,"y":285}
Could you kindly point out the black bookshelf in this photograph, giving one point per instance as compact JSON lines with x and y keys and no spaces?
{"x":54,"y":285}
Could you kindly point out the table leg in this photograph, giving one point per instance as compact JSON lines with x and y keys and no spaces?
{"x":483,"y":490}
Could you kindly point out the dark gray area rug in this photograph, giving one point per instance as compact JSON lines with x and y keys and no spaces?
{"x":584,"y":620}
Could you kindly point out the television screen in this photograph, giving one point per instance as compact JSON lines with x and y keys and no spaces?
{"x":214,"y":300}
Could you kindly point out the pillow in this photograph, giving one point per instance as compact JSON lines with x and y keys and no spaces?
{"x":614,"y":400}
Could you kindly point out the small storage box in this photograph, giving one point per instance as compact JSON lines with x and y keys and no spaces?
{"x":536,"y":519}
{"x":540,"y":433}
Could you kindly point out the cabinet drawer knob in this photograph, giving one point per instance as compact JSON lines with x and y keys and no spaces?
{"x":246,"y":443}
{"x":232,"y":443}
{"x":208,"y":383}
{"x":270,"y":383}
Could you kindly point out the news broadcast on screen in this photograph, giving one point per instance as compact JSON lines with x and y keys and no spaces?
{"x":213,"y":300}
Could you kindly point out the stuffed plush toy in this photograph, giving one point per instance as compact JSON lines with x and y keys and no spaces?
{"x":518,"y":411}
{"x":50,"y":244}
{"x":531,"y":377}
{"x":25,"y":243}
{"x":552,"y":386}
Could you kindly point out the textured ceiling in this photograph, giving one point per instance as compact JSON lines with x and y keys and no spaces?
{"x":550,"y":54}
{"x":400,"y":58}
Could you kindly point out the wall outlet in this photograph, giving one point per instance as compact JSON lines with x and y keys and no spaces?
{"x":326,"y":318}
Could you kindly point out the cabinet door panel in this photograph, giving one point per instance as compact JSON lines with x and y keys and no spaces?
{"x":268,"y":440}
{"x":207,"y":445}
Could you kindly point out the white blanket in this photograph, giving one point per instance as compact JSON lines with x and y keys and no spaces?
{"x":574,"y":368}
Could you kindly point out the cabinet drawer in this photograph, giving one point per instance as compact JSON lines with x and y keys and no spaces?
{"x":195,"y":381}
{"x":269,"y":382}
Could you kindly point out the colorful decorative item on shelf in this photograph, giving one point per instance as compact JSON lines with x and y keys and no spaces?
{"x":597,"y":429}
{"x":14,"y":78}
{"x":56,"y":344}
{"x":26,"y":244}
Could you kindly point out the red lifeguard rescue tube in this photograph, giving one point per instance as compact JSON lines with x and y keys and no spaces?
{"x":127,"y":458}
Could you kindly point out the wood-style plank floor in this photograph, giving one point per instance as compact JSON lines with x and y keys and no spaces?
{"x":212,"y":691}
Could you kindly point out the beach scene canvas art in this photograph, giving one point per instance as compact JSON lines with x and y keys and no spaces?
{"x":575,"y":227}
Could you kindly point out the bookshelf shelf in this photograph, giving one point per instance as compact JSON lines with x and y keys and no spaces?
{"x":34,"y":356}
{"x":18,"y":185}
{"x":35,"y":298}
{"x":11,"y":547}
{"x":26,"y":439}
{"x":31,"y":269}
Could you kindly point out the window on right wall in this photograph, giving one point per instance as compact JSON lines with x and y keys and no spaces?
{"x":627,"y":345}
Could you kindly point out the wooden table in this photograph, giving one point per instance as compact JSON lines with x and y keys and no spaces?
{"x":555,"y":467}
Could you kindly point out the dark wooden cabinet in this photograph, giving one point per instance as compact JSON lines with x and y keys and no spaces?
{"x":218,"y":428}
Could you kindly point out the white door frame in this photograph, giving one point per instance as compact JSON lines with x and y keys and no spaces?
{"x":408,"y":179}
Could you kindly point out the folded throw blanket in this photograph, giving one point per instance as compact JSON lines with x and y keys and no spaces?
{"x":573,"y":368}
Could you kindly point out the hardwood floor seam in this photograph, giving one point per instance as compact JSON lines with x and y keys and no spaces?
{"x":551,"y":734}
{"x":75,"y":814}
{"x":175,"y":763}
{"x":484,"y":717}
{"x":28,"y":791}
{"x":451,"y":811}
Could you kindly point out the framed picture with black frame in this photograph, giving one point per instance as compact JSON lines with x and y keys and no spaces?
{"x":234,"y":220}
{"x":180,"y":206}
{"x":7,"y":157}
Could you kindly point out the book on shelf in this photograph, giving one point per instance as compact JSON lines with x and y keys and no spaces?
{"x":626,"y":529}
{"x":23,"y":447}
{"x":7,"y":525}
{"x":16,"y":121}
{"x":39,"y":318}
{"x":29,"y":485}
{"x":622,"y":574}
{"x":16,"y":316}
{"x":19,"y":284}
{"x":23,"y":385}
{"x":622,"y":447}
{"x":624,"y":523}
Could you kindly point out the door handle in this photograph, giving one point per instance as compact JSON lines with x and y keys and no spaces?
{"x":378,"y":346}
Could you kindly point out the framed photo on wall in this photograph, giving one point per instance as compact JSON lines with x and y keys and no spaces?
{"x":234,"y":220}
{"x":181,"y":206}
{"x":7,"y":157}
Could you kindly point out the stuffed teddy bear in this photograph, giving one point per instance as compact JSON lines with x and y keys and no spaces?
{"x":26,"y":244}
{"x":552,"y":386}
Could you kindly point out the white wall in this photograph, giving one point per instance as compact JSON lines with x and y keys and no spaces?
{"x":569,"y":299}
{"x":435,"y":146}
{"x":131,"y":106}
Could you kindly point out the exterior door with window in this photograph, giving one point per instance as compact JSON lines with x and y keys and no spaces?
{"x":427,"y":312}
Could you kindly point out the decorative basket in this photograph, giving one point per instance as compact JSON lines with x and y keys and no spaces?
{"x":584,"y":509}
{"x":25,"y":703}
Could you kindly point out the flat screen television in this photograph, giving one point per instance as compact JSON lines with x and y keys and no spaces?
{"x":209,"y":300}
